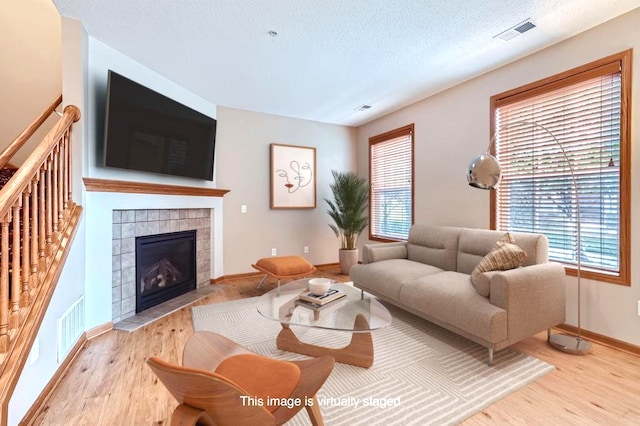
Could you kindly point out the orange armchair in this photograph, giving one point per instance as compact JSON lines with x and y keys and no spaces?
{"x":222,"y":383}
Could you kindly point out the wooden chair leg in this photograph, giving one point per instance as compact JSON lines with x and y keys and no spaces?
{"x":314,"y":413}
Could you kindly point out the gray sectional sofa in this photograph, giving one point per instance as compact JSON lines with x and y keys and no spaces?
{"x":429,"y":276}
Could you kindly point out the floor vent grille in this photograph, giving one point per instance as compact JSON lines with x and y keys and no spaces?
{"x":70,"y":327}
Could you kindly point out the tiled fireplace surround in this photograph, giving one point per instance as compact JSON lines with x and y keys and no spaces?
{"x":129,"y":224}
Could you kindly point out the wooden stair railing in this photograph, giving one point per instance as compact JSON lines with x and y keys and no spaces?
{"x":38,"y":219}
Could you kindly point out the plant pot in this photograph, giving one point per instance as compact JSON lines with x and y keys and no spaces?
{"x":348,"y":258}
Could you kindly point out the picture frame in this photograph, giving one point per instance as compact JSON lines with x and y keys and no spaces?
{"x":293,"y":177}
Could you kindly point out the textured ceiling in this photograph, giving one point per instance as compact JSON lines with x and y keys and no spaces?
{"x":330,"y":56}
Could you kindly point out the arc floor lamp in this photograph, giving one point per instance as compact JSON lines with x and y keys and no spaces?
{"x":483,"y":172}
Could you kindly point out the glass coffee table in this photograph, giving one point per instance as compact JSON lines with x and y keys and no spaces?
{"x":357,"y":312}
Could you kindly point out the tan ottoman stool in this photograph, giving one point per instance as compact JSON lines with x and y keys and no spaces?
{"x":283,"y":267}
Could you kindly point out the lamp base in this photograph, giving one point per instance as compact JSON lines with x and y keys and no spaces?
{"x":570,"y":344}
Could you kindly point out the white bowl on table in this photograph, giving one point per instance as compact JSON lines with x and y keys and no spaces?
{"x":319,"y":286}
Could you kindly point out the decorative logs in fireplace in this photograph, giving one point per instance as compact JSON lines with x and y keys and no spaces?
{"x":160,"y":274}
{"x":165,"y":267}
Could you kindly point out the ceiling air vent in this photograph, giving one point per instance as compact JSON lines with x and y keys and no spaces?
{"x":362,"y":107}
{"x":515,"y":31}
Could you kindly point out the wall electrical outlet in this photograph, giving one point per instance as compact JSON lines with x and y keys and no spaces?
{"x":243,"y":208}
{"x":306,"y":249}
{"x":274,"y":252}
{"x":639,"y":308}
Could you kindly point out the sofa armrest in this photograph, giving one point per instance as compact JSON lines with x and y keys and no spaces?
{"x":383,"y":251}
{"x":533,"y":296}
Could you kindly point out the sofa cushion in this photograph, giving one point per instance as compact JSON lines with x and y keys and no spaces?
{"x":482,"y":284}
{"x":503,"y":257}
{"x":448,"y":297}
{"x":434,"y":245}
{"x":377,"y":252}
{"x":387,"y":276}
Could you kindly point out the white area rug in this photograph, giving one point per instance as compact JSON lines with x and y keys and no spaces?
{"x":425,"y":374}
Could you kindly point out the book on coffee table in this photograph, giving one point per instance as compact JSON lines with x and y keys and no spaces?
{"x":322,"y":299}
{"x":319,"y":308}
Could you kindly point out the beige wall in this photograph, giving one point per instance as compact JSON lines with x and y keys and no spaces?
{"x":31,"y":71}
{"x":242,"y":165}
{"x":453,"y":126}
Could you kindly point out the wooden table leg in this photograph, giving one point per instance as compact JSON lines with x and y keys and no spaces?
{"x":358,"y":352}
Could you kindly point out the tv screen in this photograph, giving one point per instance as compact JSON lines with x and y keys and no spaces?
{"x":150,"y":132}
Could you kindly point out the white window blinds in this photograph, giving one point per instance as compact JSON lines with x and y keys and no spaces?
{"x":391,"y":178}
{"x":537,"y":194}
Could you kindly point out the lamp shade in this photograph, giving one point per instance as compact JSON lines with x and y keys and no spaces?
{"x":484,"y":172}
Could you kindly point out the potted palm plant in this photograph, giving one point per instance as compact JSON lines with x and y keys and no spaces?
{"x":348,"y":211}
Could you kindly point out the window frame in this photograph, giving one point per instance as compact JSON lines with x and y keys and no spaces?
{"x":575,"y":75}
{"x":408,"y":130}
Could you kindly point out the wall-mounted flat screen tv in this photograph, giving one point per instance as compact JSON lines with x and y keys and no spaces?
{"x":149,"y":132}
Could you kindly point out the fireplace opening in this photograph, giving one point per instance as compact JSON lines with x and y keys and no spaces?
{"x":165,"y":267}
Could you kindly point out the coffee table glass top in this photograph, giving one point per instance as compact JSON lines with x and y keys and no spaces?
{"x":280,"y":305}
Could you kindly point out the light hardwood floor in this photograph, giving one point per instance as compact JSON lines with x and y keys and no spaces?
{"x":109,"y":384}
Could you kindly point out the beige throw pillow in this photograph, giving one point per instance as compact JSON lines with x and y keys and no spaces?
{"x":506,"y":238}
{"x":504,"y":255}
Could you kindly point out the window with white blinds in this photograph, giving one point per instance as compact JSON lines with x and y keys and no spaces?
{"x":391,"y":179}
{"x":560,"y":145}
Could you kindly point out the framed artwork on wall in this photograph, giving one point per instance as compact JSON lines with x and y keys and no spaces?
{"x":293,"y":177}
